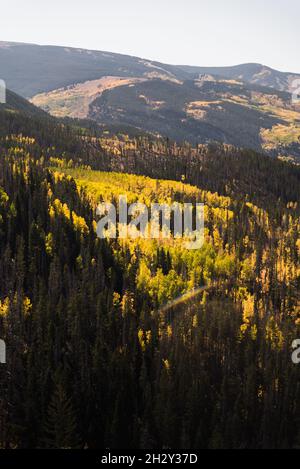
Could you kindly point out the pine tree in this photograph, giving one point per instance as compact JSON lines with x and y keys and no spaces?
{"x":61,"y":424}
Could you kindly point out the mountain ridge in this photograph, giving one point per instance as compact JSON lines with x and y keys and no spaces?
{"x":246,"y":105}
{"x":17,"y":73}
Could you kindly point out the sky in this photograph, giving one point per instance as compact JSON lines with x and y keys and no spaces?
{"x":191,"y":32}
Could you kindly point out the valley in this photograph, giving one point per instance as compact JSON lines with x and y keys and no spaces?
{"x":142,"y":343}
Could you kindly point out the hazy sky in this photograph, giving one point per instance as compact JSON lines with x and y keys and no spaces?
{"x":195,"y":32}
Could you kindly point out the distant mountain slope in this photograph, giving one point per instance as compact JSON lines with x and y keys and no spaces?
{"x":201,"y":112}
{"x":246,"y":105}
{"x":252,"y":73}
{"x":30,"y":69}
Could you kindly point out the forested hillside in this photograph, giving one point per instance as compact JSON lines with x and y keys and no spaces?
{"x":98,"y":352}
{"x":203,"y":110}
{"x":248,"y":105}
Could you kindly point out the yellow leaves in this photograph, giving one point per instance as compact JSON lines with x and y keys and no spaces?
{"x":222,"y":215}
{"x":116,"y":299}
{"x":282,"y":134}
{"x":143,"y":276}
{"x":108,"y":186}
{"x":79,"y":261}
{"x":248,"y":305}
{"x":127,"y":304}
{"x":27,"y":306}
{"x":261,"y":217}
{"x":225,"y":265}
{"x":58,"y":176}
{"x":298,"y":246}
{"x":51,"y":212}
{"x":246,"y":241}
{"x":195,"y":321}
{"x":296,"y":313}
{"x":144,"y":338}
{"x":3,"y":197}
{"x":49,"y":244}
{"x":20,"y":139}
{"x":64,"y":209}
{"x":244,"y":328}
{"x":169,"y":331}
{"x":274,"y":334}
{"x":59,"y":162}
{"x":242,"y":293}
{"x":94,"y":226}
{"x":4,"y":307}
{"x":248,"y":308}
{"x":164,"y":288}
{"x":253,"y":332}
{"x":248,"y":269}
{"x":80,"y":224}
{"x":161,"y":288}
{"x":166,"y":364}
{"x":217,"y":239}
{"x":204,"y":298}
{"x":58,"y":208}
{"x":141,"y":339}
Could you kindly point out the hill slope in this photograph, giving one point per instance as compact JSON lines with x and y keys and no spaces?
{"x":30,"y":69}
{"x":246,"y":105}
{"x":142,"y":343}
{"x":252,"y":73}
{"x":15,"y":103}
{"x":204,"y":111}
